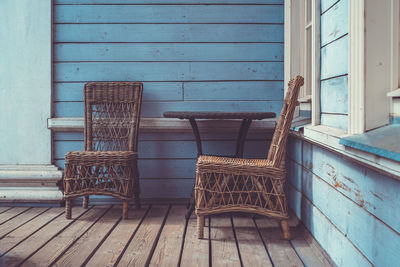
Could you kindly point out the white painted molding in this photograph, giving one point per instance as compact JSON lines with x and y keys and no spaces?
{"x":328,"y":138}
{"x":30,"y":194}
{"x":167,"y":125}
{"x":316,"y":62}
{"x":394,"y":93}
{"x":356,"y":76}
{"x":27,"y":183}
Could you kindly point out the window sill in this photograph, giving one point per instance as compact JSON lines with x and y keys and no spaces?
{"x":330,"y":139}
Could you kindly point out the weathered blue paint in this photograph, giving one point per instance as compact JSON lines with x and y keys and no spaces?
{"x":384,"y":142}
{"x":155,"y":91}
{"x":334,"y":95}
{"x":334,"y":64}
{"x":239,"y":90}
{"x":335,"y":120}
{"x":339,"y":248}
{"x":169,"y":52}
{"x":394,"y":119}
{"x":168,"y":14}
{"x":334,"y":58}
{"x":190,"y":55}
{"x":168,"y":71}
{"x":326,"y":4}
{"x":334,"y":23}
{"x":168,"y":33}
{"x":362,"y":204}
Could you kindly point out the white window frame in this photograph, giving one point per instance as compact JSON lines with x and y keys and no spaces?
{"x":296,"y":52}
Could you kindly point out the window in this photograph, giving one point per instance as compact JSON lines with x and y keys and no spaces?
{"x":302,"y":50}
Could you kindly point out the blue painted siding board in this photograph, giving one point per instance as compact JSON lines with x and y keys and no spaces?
{"x":169,"y":2}
{"x":358,"y":225}
{"x":156,"y":109}
{"x":241,"y":90}
{"x":334,"y":95}
{"x":372,"y":191}
{"x":334,"y":59}
{"x":153,"y":91}
{"x":338,"y":246}
{"x":334,"y":23}
{"x":326,"y":4}
{"x":335,"y":120}
{"x":171,"y":188}
{"x":168,"y":33}
{"x":168,"y":14}
{"x":168,"y":71}
{"x":169,"y":52}
{"x":174,"y":149}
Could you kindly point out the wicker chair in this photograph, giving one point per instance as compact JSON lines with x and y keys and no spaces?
{"x":226,"y":184}
{"x":108,"y":166}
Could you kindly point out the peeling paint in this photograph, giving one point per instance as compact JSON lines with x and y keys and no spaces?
{"x":349,"y":179}
{"x":377,"y":196}
{"x":342,"y":185}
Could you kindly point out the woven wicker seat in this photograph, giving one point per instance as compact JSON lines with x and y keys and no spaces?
{"x":108,"y":166}
{"x":248,"y":185}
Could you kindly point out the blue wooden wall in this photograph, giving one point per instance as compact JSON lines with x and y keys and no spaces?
{"x":222,"y":55}
{"x":334,"y":63}
{"x":353,"y":211}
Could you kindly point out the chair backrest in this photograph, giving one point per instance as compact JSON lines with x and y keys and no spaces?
{"x":112,"y":113}
{"x":277,"y":148}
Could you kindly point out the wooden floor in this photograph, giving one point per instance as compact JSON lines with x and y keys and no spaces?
{"x":156,"y":235}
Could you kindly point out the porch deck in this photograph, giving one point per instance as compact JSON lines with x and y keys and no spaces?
{"x":156,"y":235}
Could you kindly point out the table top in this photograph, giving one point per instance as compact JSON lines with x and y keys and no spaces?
{"x":218,"y":115}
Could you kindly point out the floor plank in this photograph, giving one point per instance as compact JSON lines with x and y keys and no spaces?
{"x":223,"y":245}
{"x":42,"y":236}
{"x":19,"y":220}
{"x":81,"y":250}
{"x":15,"y":237}
{"x":139,"y":248}
{"x":251,"y":247}
{"x":309,"y":250}
{"x":280,"y":250}
{"x":167,"y":250}
{"x":3,"y":209}
{"x":7,"y":215}
{"x":56,"y":247}
{"x":195,"y":251}
{"x":18,"y":254}
{"x":108,"y":253}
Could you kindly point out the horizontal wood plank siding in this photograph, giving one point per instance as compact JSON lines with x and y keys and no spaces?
{"x":361,"y":204}
{"x":208,"y":55}
{"x":334,"y":63}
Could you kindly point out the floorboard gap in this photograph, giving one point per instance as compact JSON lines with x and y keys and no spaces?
{"x":236,"y":241}
{"x":132,"y":236}
{"x":32,"y":234}
{"x":157,"y":237}
{"x":59,"y":232}
{"x":15,"y":215}
{"x":101,"y":242}
{"x":183,"y":240}
{"x":1,"y":237}
{"x":262,"y":239}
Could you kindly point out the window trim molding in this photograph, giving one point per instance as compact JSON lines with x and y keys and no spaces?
{"x":356,"y":74}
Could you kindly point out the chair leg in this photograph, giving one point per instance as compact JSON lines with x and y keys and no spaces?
{"x":68,"y":209}
{"x":286,"y":230}
{"x":200,"y":227}
{"x":85,"y":202}
{"x":125,"y":207}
